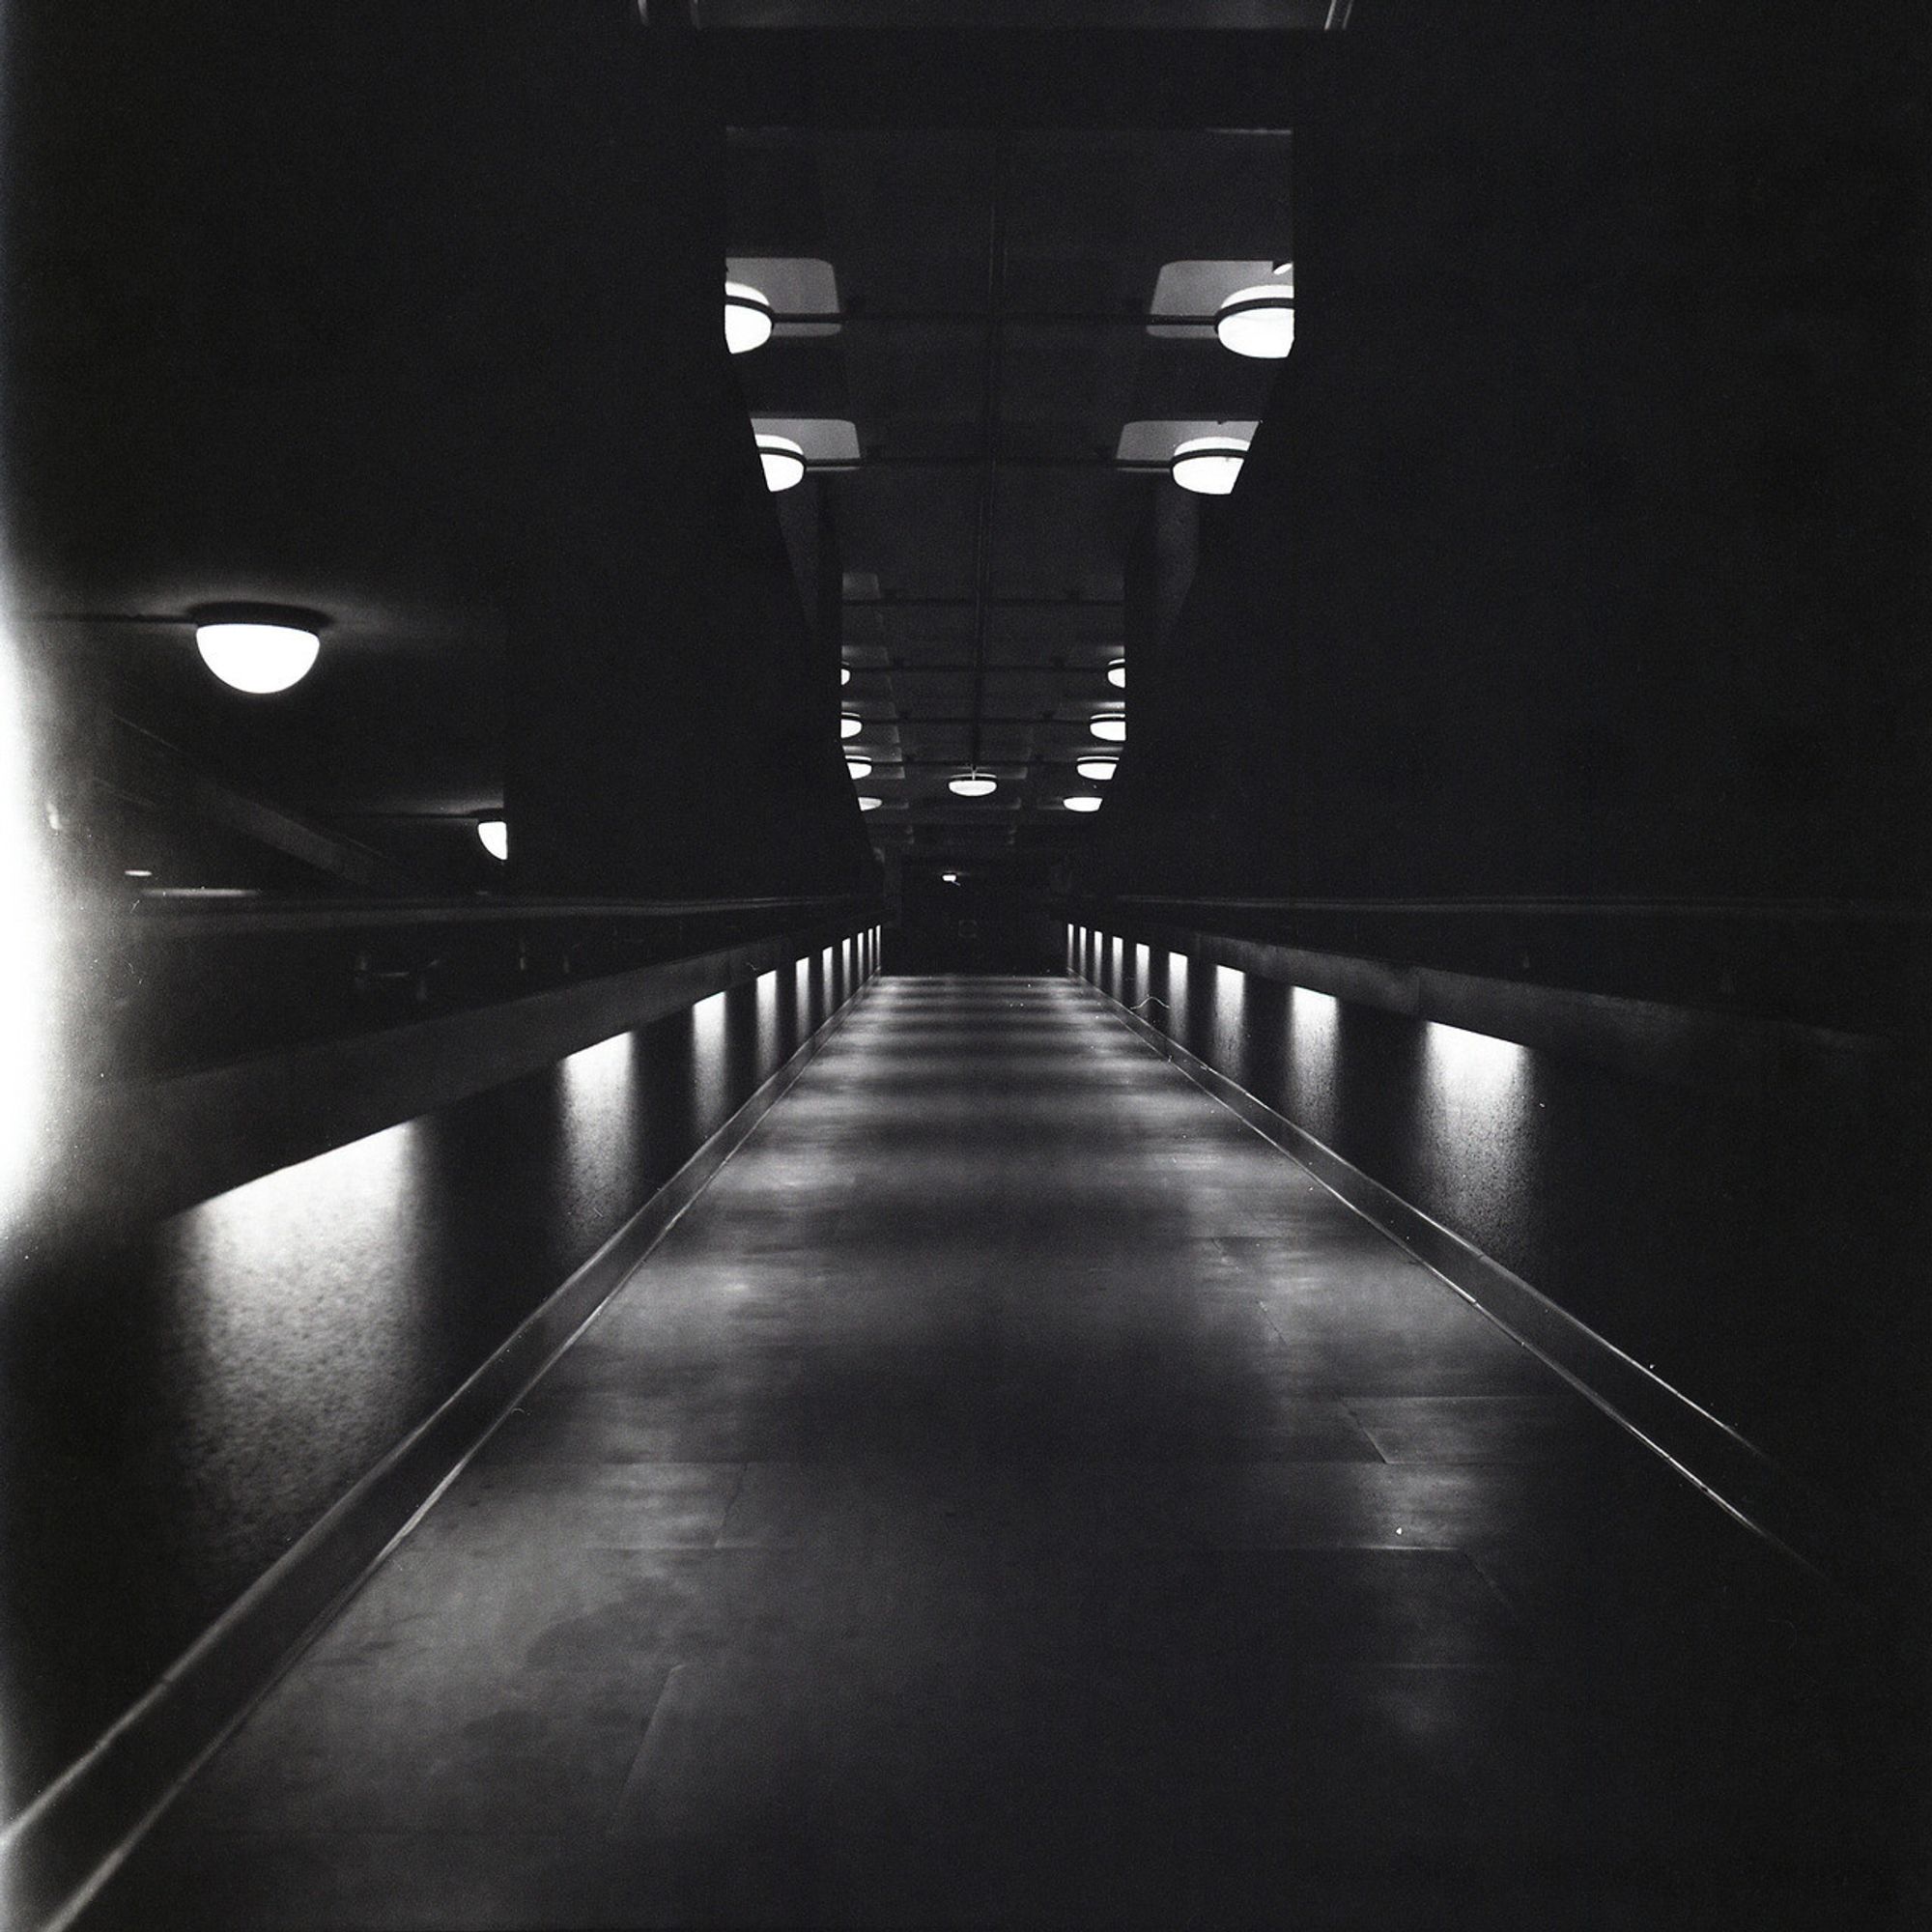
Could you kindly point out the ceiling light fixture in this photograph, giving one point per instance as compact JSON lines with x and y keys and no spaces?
{"x":850,"y":723}
{"x":972,"y":783}
{"x":747,"y":318}
{"x":1083,"y":802}
{"x":783,"y":461}
{"x":950,"y":878}
{"x":1258,"y":321}
{"x":870,"y":801}
{"x":1208,"y":464}
{"x":496,"y":836}
{"x":1099,"y":770}
{"x":844,"y":674}
{"x":859,"y":768}
{"x":1111,"y":725}
{"x":1116,"y":673}
{"x":256,"y":656}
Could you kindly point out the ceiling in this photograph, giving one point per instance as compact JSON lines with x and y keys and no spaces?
{"x":998,"y":246}
{"x":1231,"y":14}
{"x":991,"y":345}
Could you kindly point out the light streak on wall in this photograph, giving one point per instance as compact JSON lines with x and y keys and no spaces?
{"x":1314,"y":1023}
{"x":29,"y":990}
{"x":1476,"y":1113}
{"x":707,"y":1062}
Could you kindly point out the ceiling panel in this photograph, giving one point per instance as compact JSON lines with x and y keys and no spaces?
{"x":993,"y":347}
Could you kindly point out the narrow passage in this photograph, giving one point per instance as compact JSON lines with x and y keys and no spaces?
{"x":1015,"y":1493}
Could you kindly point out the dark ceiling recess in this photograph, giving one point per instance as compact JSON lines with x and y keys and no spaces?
{"x":994,"y":334}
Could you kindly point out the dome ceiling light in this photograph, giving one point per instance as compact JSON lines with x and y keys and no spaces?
{"x":1258,"y":321}
{"x":254,"y":653}
{"x":870,"y":801}
{"x":850,"y":723}
{"x":1083,"y":802}
{"x":1116,"y":673}
{"x":1099,"y":770}
{"x":747,"y":318}
{"x":1208,"y":464}
{"x":844,"y":674}
{"x":783,"y":461}
{"x":859,"y":768}
{"x":1111,"y":725}
{"x":972,"y":783}
{"x":496,"y":836}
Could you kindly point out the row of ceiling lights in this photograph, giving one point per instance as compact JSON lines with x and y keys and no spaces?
{"x":1257,"y":322}
{"x":261,"y":657}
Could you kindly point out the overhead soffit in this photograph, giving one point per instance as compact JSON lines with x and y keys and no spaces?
{"x":1167,"y":16}
{"x":1107,"y":239}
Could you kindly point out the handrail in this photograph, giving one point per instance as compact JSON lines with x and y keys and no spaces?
{"x":1698,"y":908}
{"x":184,"y":911}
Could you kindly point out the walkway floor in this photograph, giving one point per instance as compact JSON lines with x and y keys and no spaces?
{"x":1016,"y":1494}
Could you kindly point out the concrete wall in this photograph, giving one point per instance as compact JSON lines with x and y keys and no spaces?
{"x":1755,"y":1240}
{"x":182,"y":1406}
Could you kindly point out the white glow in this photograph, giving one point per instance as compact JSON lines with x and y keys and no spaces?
{"x":850,"y":723}
{"x":747,"y":318}
{"x":845,"y":674}
{"x":870,"y":801}
{"x":950,"y":878}
{"x":707,"y":1054}
{"x":1228,"y":996}
{"x":257,"y":657}
{"x":1258,"y":321}
{"x":783,"y":461}
{"x":1208,"y":464}
{"x":859,"y":768}
{"x":596,"y":1080}
{"x":496,"y":836}
{"x":1116,"y":673}
{"x":768,"y":1019}
{"x":1480,"y":1066}
{"x":972,"y":784}
{"x":348,"y":1321}
{"x":1111,"y":725}
{"x":1083,"y":802}
{"x":27,"y":977}
{"x":1099,"y":770}
{"x":137,"y":872}
{"x":1313,"y":1021}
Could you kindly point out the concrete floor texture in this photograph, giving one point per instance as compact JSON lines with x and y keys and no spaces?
{"x":1016,"y":1494}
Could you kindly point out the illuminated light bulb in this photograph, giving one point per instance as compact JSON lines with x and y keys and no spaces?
{"x":859,"y":768}
{"x":870,"y":801}
{"x":844,"y":674}
{"x":257,"y":657}
{"x":1208,"y":464}
{"x":747,"y":318}
{"x":1083,"y":802}
{"x":1099,"y":770}
{"x":972,"y":783}
{"x":1111,"y":725}
{"x":496,"y":836}
{"x":1116,"y":673}
{"x":783,"y":461}
{"x":850,"y":723}
{"x":1258,"y":321}
{"x":950,"y":878}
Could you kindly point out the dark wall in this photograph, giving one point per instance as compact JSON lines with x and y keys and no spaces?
{"x":1757,"y":1244}
{"x":1580,"y":549}
{"x":178,"y":1410}
{"x":410,"y":316}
